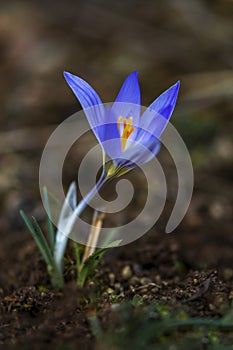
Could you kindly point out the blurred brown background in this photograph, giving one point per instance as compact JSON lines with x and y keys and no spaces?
{"x":103,"y":41}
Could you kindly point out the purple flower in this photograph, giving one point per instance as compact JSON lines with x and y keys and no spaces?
{"x":125,"y":135}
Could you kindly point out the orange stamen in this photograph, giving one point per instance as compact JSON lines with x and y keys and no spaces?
{"x":128,"y":128}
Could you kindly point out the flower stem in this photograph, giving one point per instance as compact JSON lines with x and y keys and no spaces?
{"x":62,"y":236}
{"x":96,"y":226}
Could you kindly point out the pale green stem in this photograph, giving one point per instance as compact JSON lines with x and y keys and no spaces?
{"x":62,"y":237}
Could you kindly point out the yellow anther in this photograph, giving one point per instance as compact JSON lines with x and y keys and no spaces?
{"x":119,"y":122}
{"x":127,"y":130}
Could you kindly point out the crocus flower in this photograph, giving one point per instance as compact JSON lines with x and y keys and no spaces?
{"x":125,"y":135}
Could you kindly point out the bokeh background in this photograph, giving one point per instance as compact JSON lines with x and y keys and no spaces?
{"x":103,"y":41}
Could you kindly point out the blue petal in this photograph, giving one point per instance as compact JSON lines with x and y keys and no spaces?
{"x":83,"y":91}
{"x":165,"y":103}
{"x":109,"y":139}
{"x":130,"y":90}
{"x":88,"y":98}
{"x":157,"y":115}
{"x":139,"y":153}
{"x":128,"y":100}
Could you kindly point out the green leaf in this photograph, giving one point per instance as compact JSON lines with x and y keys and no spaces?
{"x":92,"y":262}
{"x":39,"y":238}
{"x":110,"y":236}
{"x":40,"y":235}
{"x":137,"y":300}
{"x":113,"y":244}
{"x":51,"y":232}
{"x":77,"y":255}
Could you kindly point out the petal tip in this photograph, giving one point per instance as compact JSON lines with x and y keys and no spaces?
{"x":133,"y":75}
{"x":177,"y":84}
{"x":135,"y":72}
{"x":173,"y":90}
{"x":130,"y":90}
{"x":67,"y":75}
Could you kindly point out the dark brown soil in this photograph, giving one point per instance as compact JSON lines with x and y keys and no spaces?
{"x":189,"y":270}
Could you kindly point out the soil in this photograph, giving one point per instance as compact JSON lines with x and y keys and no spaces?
{"x":191,"y":269}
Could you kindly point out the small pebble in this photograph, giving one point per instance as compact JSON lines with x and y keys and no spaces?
{"x":134,"y":280}
{"x":118,"y":287}
{"x":144,"y":290}
{"x":145,"y":280}
{"x":126,"y":272}
{"x":219,"y":300}
{"x":211,"y":307}
{"x":110,"y":291}
{"x":174,"y":247}
{"x":217,"y":210}
{"x":157,"y":278}
{"x":111,"y":277}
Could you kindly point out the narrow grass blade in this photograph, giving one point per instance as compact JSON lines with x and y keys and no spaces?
{"x":38,"y":236}
{"x":110,"y":236}
{"x":51,"y":233}
{"x":38,"y":239}
{"x":56,"y":275}
{"x":43,"y":241}
{"x":77,"y":255}
{"x":92,"y":262}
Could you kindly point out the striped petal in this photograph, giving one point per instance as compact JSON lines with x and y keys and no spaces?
{"x":157,"y":115}
{"x":139,"y":153}
{"x":89,"y":100}
{"x":128,"y":100}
